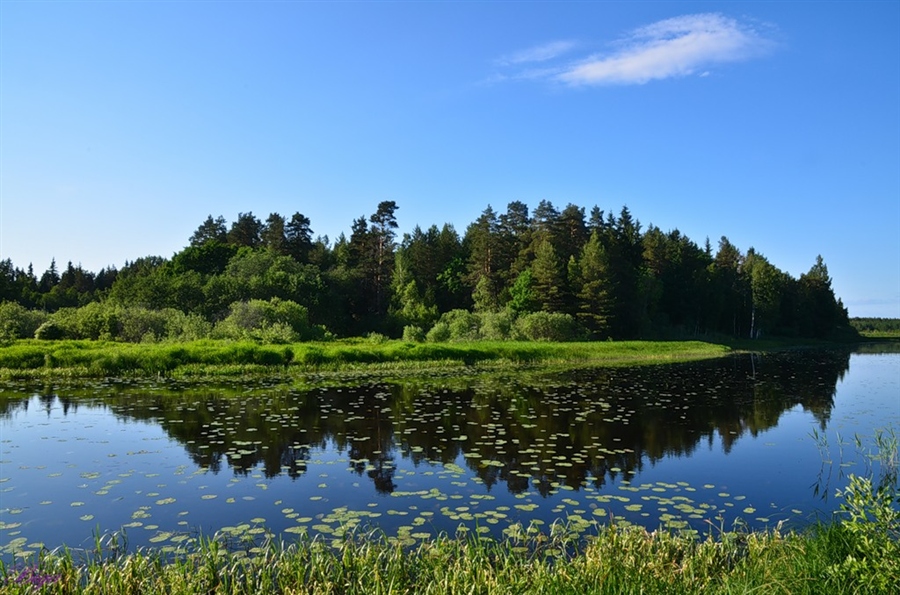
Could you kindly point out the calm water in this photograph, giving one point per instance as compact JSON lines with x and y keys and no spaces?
{"x":684,"y":446}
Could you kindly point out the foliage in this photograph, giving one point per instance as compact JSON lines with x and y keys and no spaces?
{"x":413,"y":334}
{"x":883,"y":326}
{"x":522,"y":294}
{"x":496,"y":326}
{"x":18,"y":322}
{"x":873,"y":528}
{"x":272,"y":321}
{"x":49,"y":331}
{"x":209,"y":258}
{"x":439,"y":333}
{"x":615,"y":279}
{"x":546,"y":326}
{"x":411,"y":307}
{"x":462,"y":325}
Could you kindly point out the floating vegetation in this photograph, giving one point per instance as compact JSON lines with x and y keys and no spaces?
{"x":415,"y":458}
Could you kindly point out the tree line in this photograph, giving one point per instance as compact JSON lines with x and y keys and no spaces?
{"x":546,"y":273}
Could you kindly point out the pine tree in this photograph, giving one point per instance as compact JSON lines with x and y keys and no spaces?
{"x":272,"y":235}
{"x":298,"y":237}
{"x":595,"y":311}
{"x":50,"y":278}
{"x":483,"y":243}
{"x":625,"y":254}
{"x":820,"y":313}
{"x":209,"y":230}
{"x":515,"y":240}
{"x":382,"y":235}
{"x":549,"y":280}
{"x":245,"y":231}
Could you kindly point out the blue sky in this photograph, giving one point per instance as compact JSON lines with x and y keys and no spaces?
{"x":776,"y":124}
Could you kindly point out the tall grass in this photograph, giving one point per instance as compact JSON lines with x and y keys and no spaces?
{"x":617,"y":560}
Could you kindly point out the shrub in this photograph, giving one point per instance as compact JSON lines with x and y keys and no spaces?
{"x":67,"y":322}
{"x":23,"y":356}
{"x":138,"y":324}
{"x":439,"y":333}
{"x":49,"y":331}
{"x":413,"y":334}
{"x":96,"y":320}
{"x":278,"y":333}
{"x":275,"y":320}
{"x":546,"y":326}
{"x":496,"y":326}
{"x":17,"y":322}
{"x":463,"y":325}
{"x":187,"y":327}
{"x":376,"y":338}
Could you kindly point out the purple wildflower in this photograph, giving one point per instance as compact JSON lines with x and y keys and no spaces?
{"x":34,"y":576}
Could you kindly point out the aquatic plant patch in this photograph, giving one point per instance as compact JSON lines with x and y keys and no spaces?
{"x":488,"y":455}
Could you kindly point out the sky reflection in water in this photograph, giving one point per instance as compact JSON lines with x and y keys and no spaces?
{"x":698,"y":445}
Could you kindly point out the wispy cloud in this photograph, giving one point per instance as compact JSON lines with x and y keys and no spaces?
{"x":540,"y":53}
{"x":675,"y":47}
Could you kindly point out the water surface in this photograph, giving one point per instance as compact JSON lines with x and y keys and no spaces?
{"x":747,"y":440}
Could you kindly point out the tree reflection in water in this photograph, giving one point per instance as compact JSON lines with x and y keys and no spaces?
{"x":528,"y":428}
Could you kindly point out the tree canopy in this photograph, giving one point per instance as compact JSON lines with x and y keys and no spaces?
{"x":597,"y":276}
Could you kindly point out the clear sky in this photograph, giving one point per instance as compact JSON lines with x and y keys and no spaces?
{"x":776,"y":124}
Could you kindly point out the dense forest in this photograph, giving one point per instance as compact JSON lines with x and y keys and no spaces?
{"x":541,"y":274}
{"x":877,"y":325}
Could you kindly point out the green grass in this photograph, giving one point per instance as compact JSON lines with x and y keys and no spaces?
{"x":826,"y":559}
{"x":38,"y":359}
{"x":888,"y":334}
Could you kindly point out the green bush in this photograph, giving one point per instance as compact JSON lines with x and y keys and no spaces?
{"x":277,"y":333}
{"x":439,"y":333}
{"x":413,"y":334}
{"x":49,"y":331}
{"x":138,"y":324}
{"x":463,"y":325}
{"x":18,"y":322}
{"x":376,"y":338}
{"x":496,"y":326}
{"x":275,"y":320}
{"x":96,"y":320}
{"x":546,"y":326}
{"x":187,"y":327}
{"x":23,"y":356}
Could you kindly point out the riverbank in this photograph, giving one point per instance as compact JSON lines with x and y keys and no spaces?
{"x":35,"y":359}
{"x":846,"y":556}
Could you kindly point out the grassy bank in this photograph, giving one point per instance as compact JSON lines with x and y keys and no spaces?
{"x":843,"y":557}
{"x":41,"y":359}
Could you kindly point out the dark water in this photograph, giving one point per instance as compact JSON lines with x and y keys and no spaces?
{"x":753,"y":440}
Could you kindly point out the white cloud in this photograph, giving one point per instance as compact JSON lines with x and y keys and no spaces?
{"x":675,"y":47}
{"x":540,"y":53}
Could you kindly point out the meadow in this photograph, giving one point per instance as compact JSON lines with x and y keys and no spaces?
{"x":30,"y":358}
